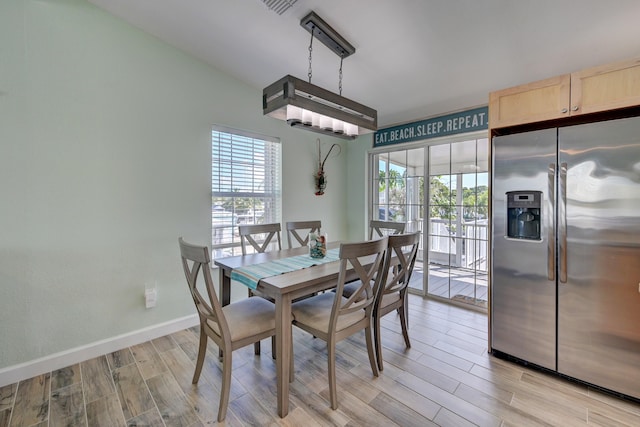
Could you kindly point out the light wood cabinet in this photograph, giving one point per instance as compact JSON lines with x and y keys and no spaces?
{"x":529,"y":103}
{"x":602,"y":88}
{"x":607,"y":87}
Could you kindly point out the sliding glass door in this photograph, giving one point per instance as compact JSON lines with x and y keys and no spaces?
{"x":441,"y":190}
{"x":458,"y":215}
{"x":398,"y":194}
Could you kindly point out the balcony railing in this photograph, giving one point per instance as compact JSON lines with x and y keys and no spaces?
{"x":467,"y":249}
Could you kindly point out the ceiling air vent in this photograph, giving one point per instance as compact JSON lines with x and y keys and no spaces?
{"x":279,"y":6}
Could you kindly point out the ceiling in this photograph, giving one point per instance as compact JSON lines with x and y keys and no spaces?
{"x":414,"y":58}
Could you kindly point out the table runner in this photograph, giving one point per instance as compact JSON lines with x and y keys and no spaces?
{"x":251,"y":274}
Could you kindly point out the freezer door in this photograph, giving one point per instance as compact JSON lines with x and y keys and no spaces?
{"x":523,"y":290}
{"x":599,"y":304}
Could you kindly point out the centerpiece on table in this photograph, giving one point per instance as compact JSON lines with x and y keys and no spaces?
{"x":317,"y":245}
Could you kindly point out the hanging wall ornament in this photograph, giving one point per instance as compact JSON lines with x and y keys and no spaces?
{"x":320,"y":177}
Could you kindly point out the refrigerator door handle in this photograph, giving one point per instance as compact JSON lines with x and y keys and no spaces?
{"x":562,"y":219}
{"x":551,"y":229}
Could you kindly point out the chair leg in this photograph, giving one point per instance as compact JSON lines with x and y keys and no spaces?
{"x":378,"y":341}
{"x":202,"y":351}
{"x":291,"y":368}
{"x":273,"y":347}
{"x":404,"y":325}
{"x":370,"y":350}
{"x":331,"y":359}
{"x":405,"y":308}
{"x":226,"y":386}
{"x":256,"y":345}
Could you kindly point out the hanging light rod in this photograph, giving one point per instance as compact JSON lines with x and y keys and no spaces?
{"x":310,"y":107}
{"x":327,"y":35}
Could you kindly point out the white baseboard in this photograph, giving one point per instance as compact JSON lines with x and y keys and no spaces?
{"x":23,"y":371}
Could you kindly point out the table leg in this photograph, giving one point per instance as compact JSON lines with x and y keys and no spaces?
{"x":224,"y":293}
{"x":224,"y":287}
{"x":283,"y":351}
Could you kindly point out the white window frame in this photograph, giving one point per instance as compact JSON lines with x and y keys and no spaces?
{"x":244,"y":166}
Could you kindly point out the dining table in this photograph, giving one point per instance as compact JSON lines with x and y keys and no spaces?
{"x":283,"y":289}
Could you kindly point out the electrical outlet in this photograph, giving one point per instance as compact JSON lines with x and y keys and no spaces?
{"x":150,"y":294}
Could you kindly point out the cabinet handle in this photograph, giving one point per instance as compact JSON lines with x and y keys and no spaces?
{"x":564,"y":110}
{"x":574,"y":108}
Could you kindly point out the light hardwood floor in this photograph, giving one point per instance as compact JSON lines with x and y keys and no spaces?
{"x":446,"y":378}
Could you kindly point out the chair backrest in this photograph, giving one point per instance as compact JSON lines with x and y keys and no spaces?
{"x":367,"y":259}
{"x":385,"y":228}
{"x":259,"y":236}
{"x":195,"y":263}
{"x":400,"y":260}
{"x":295,"y":228}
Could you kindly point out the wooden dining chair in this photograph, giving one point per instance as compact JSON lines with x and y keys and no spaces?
{"x":231,"y":327}
{"x":385,"y":228}
{"x":377,"y":229}
{"x":401,"y":256}
{"x":260,"y":237}
{"x":332,"y":317}
{"x":295,"y":228}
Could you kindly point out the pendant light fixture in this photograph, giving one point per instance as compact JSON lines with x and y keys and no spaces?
{"x":310,"y":107}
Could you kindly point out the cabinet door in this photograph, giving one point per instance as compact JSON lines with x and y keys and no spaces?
{"x":533,"y":102}
{"x":605,"y":87}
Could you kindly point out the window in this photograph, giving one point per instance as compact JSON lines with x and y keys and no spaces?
{"x":245,"y":185}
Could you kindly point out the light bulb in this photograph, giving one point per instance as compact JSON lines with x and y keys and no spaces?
{"x":294,"y":114}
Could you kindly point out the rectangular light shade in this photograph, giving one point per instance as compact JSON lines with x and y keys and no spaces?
{"x":313,"y":108}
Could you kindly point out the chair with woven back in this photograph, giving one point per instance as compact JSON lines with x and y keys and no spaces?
{"x":385,"y":228}
{"x":298,"y":231}
{"x":332,"y":317}
{"x":401,"y":256}
{"x":231,"y":327}
{"x":260,"y":237}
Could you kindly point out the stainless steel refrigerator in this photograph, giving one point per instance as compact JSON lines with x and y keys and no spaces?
{"x":566,"y":251}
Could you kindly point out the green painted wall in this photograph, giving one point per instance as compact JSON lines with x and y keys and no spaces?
{"x":105,"y":161}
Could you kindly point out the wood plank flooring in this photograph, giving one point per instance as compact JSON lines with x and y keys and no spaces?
{"x":446,"y":378}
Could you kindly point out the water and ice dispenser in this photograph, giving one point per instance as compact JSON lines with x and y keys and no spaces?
{"x":523,"y":214}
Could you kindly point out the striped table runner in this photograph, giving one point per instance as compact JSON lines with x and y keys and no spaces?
{"x":251,"y":275}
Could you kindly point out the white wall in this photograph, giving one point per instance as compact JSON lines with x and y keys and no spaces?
{"x":104,"y":162}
